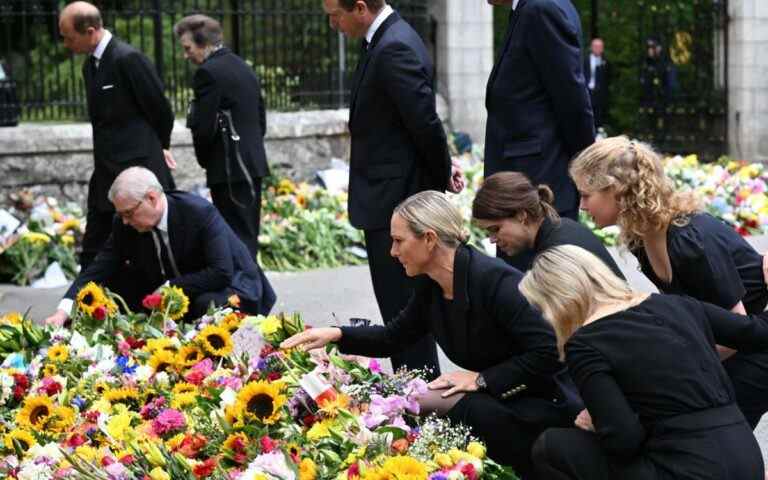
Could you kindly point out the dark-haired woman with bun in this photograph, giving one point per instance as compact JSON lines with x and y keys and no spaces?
{"x":520,"y":219}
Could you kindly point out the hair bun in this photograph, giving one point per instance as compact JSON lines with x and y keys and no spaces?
{"x":545,"y":194}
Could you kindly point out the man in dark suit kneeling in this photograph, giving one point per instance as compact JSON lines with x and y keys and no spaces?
{"x":173,"y":237}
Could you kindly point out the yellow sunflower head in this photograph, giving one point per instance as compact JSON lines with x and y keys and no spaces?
{"x":58,"y":353}
{"x":261,"y":401}
{"x":189,"y":355}
{"x":184,"y":387}
{"x":22,"y":438}
{"x":63,"y":419}
{"x":121,"y":395}
{"x":50,"y":370}
{"x":90,"y":297}
{"x":35,"y":412}
{"x":154,"y":345}
{"x":163,"y":361}
{"x":100,"y":387}
{"x":180,"y":401}
{"x":175,"y":302}
{"x":231,"y":322}
{"x":215,"y":341}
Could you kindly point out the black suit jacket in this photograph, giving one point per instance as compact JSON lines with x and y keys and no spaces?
{"x":225,"y":82}
{"x":208,"y":255}
{"x":488,"y":327}
{"x":539,"y":114}
{"x":399,"y":146}
{"x":131,"y":118}
{"x":602,"y":82}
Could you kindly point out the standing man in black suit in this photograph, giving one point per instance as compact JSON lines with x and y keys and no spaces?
{"x":223,"y":83}
{"x":399,"y":146}
{"x":131,"y":117}
{"x":597,"y":75}
{"x":539,"y":115}
{"x":173,"y":237}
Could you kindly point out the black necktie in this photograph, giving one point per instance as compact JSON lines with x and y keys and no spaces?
{"x":364,"y":46}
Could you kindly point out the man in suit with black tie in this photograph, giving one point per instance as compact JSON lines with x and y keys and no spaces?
{"x":131,"y":117}
{"x":539,"y":115}
{"x":223,"y":82}
{"x":174,"y":237}
{"x":597,"y":76}
{"x":399,"y":146}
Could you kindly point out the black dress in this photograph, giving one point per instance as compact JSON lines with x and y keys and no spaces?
{"x":714,"y":264}
{"x":489,"y":328}
{"x":661,"y":403}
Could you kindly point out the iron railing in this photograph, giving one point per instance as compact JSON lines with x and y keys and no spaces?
{"x":303,"y":64}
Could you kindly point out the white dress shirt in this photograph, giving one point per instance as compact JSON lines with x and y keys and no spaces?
{"x":99,"y":52}
{"x":383,"y":14}
{"x":514,"y":4}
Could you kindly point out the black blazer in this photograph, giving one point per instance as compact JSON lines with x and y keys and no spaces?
{"x":225,"y":82}
{"x":539,"y":114}
{"x":399,"y":146}
{"x":208,"y":255}
{"x":602,"y":80}
{"x":131,"y":118}
{"x":489,"y":327}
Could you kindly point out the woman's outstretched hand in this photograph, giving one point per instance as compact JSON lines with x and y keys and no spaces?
{"x":313,"y":338}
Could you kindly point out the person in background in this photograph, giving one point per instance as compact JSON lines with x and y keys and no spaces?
{"x":227,"y":101}
{"x":512,"y":386}
{"x":131,"y":117}
{"x":680,"y":248}
{"x":597,"y":73}
{"x":521,"y":218}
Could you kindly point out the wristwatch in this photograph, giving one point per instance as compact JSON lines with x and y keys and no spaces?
{"x":480,"y":382}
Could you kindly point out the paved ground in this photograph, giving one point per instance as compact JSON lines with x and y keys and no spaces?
{"x":326,"y":297}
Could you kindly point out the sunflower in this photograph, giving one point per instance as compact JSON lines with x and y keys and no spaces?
{"x":24,"y":439}
{"x":50,"y":370}
{"x":181,"y":400}
{"x":35,"y":413}
{"x":307,"y":469}
{"x":162,"y":361}
{"x":261,"y":401}
{"x":231,"y":322}
{"x":215,"y":340}
{"x":154,"y":345}
{"x":100,"y":387}
{"x":58,"y":353}
{"x":189,"y":355}
{"x":121,"y":395}
{"x":63,"y":418}
{"x":405,"y":468}
{"x":90,"y":297}
{"x":175,"y":302}
{"x":184,"y":387}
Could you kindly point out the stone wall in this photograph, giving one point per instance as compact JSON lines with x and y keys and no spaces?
{"x":748,"y":79}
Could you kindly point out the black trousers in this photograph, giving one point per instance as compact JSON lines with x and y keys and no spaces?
{"x":718,"y":453}
{"x":97,"y":230}
{"x":393,"y":289}
{"x":244,"y":221}
{"x":524,"y":260}
{"x":749,"y":375}
{"x":508,"y":439}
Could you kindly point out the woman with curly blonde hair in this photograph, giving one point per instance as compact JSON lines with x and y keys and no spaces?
{"x":680,"y":248}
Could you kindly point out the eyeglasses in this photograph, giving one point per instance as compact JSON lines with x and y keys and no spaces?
{"x":126,"y":214}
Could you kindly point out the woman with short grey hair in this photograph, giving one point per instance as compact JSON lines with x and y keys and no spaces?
{"x":228,"y":122}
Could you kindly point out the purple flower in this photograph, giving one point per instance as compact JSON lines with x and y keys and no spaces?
{"x":374,"y":366}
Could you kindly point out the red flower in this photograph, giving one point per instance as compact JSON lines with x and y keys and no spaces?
{"x":272,"y":376}
{"x":309,"y":420}
{"x":135,"y":343}
{"x":100,"y":313}
{"x":50,"y":387}
{"x":107,"y":461}
{"x":267,"y":444}
{"x":204,"y":469}
{"x":18,"y":393}
{"x":353,"y":471}
{"x":92,"y":416}
{"x":152,"y":301}
{"x":76,"y":440}
{"x":266,"y":350}
{"x":469,"y":471}
{"x":127,"y":459}
{"x":195,"y":377}
{"x":191,"y":445}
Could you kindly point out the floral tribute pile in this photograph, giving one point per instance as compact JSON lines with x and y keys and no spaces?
{"x":136,"y":396}
{"x":35,"y":233}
